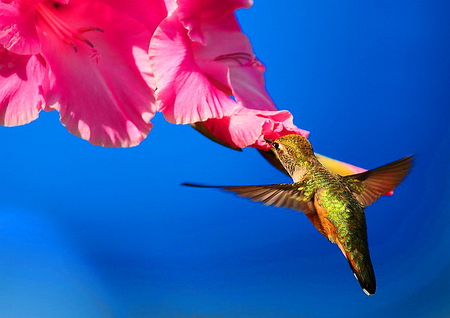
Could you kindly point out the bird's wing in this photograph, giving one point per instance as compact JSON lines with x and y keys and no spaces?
{"x":368,"y":186}
{"x":287,"y":195}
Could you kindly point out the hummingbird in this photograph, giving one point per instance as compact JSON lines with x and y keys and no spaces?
{"x":333,"y":203}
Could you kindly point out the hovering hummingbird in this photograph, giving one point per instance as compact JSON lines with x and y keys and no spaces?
{"x":333,"y":203}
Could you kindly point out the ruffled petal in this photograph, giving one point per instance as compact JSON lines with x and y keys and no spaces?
{"x":193,"y":14}
{"x":222,"y":38}
{"x":244,"y":75}
{"x":201,"y":49}
{"x":249,"y":128}
{"x":103,"y":93}
{"x":185,"y":93}
{"x":20,"y":87}
{"x":171,"y":6}
{"x":17,"y":27}
{"x":228,"y":59}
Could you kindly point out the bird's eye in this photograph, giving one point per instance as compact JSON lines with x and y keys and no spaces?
{"x":276,"y":145}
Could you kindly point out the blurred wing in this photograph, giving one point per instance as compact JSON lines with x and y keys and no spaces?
{"x":287,"y":195}
{"x":368,"y":186}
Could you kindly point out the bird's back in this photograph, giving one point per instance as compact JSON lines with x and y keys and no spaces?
{"x":343,"y":222}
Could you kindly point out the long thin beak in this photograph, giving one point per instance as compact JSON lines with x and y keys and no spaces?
{"x":270,"y":141}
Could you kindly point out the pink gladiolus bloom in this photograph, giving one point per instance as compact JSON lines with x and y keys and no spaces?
{"x":200,"y":58}
{"x":86,"y":59}
{"x":206,"y":71}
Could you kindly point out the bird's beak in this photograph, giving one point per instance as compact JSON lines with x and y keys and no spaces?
{"x":270,"y":141}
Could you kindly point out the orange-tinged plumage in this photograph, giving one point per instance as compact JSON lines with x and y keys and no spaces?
{"x":333,"y":203}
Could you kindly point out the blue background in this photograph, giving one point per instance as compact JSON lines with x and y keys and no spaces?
{"x":93,"y":232}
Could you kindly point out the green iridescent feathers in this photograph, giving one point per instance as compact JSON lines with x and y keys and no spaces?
{"x":368,"y":186}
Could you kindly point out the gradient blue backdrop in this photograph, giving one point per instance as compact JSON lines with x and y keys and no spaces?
{"x":93,"y":232}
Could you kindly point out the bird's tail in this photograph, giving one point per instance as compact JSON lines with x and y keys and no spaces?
{"x":362,"y":268}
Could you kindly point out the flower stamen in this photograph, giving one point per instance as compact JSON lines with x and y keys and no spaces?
{"x":63,"y":30}
{"x":87,"y":29}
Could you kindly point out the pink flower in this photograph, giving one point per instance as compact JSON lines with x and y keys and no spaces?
{"x":200,"y":58}
{"x":206,"y":74}
{"x":86,"y":59}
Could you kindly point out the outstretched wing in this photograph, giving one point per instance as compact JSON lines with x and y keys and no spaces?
{"x":368,"y":186}
{"x":287,"y":195}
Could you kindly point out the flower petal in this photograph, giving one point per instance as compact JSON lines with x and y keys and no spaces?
{"x":20,"y":87}
{"x":149,"y":13}
{"x":17,"y":27}
{"x":249,"y":127}
{"x":103,"y":93}
{"x":225,"y":44}
{"x":193,"y":13}
{"x":186,"y":94}
{"x":243,"y":74}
